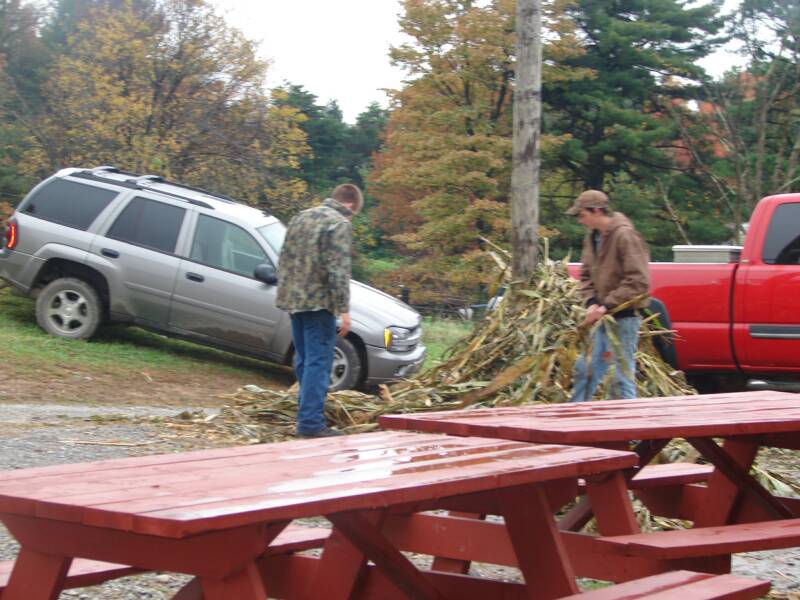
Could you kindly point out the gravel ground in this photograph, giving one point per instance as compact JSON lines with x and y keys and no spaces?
{"x":38,"y":435}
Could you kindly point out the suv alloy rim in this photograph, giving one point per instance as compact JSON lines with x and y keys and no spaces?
{"x":339,"y":368}
{"x":68,"y":311}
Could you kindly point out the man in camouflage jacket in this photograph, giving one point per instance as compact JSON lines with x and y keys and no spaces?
{"x":314,"y":286}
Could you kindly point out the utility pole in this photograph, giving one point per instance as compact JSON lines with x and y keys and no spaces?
{"x":527,"y":126}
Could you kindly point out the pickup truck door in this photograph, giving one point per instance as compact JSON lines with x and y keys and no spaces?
{"x":766,"y":330}
{"x":217,"y":300}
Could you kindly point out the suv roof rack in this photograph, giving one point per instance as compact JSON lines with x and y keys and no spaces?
{"x":146,"y":181}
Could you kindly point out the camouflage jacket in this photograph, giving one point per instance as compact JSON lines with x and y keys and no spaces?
{"x":314,"y":265}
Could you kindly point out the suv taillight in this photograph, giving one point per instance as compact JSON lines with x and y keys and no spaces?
{"x":12,"y":234}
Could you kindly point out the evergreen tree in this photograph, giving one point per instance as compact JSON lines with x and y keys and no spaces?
{"x":638,"y":50}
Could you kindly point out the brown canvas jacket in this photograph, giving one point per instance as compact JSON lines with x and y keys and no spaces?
{"x":619,"y":272}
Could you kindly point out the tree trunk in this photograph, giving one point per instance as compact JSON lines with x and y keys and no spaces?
{"x":527,"y":118}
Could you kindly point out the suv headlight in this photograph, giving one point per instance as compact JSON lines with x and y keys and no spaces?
{"x":400,"y":339}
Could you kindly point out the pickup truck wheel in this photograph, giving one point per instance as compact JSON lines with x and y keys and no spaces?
{"x":346,"y":370}
{"x":664,"y":344}
{"x":69,"y":308}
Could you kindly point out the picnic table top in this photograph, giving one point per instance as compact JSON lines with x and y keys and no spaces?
{"x":744,"y":413}
{"x":177,"y":495}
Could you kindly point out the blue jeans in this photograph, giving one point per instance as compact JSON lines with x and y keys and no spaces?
{"x":314,"y":337}
{"x":624,"y":385}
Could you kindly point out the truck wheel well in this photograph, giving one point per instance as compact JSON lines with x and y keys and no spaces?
{"x":664,"y":344}
{"x":56,"y":268}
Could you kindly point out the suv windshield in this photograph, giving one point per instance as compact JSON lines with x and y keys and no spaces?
{"x":274,"y":233}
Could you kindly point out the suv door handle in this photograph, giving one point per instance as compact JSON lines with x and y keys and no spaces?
{"x":195,"y":277}
{"x":109,"y":253}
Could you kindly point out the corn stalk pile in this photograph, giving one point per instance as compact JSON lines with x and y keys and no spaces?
{"x":524,"y":351}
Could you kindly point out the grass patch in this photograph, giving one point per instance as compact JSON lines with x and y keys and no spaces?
{"x":440,"y":334}
{"x":115,"y":349}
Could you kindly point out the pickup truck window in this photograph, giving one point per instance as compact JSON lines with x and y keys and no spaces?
{"x":148,"y":223}
{"x":782,"y":244}
{"x":67,"y":203}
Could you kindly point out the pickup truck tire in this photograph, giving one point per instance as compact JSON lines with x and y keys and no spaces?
{"x":347,"y":367}
{"x":664,"y":344}
{"x":70,"y":308}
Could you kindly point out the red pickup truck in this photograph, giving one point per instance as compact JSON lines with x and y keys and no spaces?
{"x":738,"y":322}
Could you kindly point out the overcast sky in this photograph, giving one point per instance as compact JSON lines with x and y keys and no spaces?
{"x":338,"y":49}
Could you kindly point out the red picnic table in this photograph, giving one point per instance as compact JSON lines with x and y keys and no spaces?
{"x":745,"y":421}
{"x":212,"y":513}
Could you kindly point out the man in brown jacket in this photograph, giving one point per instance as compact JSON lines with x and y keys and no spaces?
{"x":615,"y":272}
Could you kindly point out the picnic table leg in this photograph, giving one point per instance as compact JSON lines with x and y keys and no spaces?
{"x":730,"y":479}
{"x":242,"y":585}
{"x":37,"y":576}
{"x":541,"y":555}
{"x":608,"y":495}
{"x":580,"y":514}
{"x":342,"y":568}
{"x":452,"y":565}
{"x":362,"y":533}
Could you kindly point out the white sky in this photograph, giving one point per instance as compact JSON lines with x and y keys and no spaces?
{"x":338,"y":49}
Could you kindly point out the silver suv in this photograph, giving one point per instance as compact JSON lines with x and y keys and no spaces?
{"x":96,"y":245}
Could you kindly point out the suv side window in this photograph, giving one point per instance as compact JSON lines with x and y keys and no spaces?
{"x":782,"y":244}
{"x":148,"y":223}
{"x":226,"y":246}
{"x":68,"y":203}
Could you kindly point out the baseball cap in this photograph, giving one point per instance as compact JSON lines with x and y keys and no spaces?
{"x":588,"y":199}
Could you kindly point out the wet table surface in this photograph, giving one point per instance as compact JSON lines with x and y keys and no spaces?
{"x":746,"y":421}
{"x":211,"y":513}
{"x":719,"y":415}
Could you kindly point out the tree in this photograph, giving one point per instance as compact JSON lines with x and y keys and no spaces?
{"x":443,"y":177}
{"x":639,"y":51}
{"x":22,"y":69}
{"x":173,"y":91}
{"x":745,"y":137}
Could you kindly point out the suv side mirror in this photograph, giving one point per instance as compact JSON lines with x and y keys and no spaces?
{"x":266,"y":272}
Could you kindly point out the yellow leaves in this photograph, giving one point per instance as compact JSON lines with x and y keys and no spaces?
{"x":176,"y":93}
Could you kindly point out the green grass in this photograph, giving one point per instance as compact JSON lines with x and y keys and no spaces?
{"x":439,"y":334}
{"x":114,"y":348}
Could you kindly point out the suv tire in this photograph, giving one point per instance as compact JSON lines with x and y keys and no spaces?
{"x":69,"y":308}
{"x":346,"y":370}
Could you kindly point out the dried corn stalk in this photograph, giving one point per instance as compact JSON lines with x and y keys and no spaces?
{"x":524,"y":351}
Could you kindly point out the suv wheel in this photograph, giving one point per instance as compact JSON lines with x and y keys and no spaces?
{"x":69,"y":308}
{"x":346,"y":370}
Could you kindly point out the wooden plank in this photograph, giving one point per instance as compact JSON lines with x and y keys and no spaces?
{"x":659,"y":475}
{"x":592,"y":422}
{"x":721,"y":587}
{"x":37,"y":576}
{"x":734,"y":462}
{"x":706,"y":541}
{"x":680,"y":585}
{"x":229,"y":498}
{"x":640,"y":588}
{"x":541,"y":556}
{"x":397,"y":568}
{"x":282,"y":576}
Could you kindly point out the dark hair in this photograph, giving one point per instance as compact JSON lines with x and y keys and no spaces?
{"x":349,"y":194}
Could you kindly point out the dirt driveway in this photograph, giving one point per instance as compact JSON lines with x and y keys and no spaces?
{"x":203,"y":386}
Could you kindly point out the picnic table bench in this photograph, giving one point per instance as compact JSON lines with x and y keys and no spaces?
{"x":729,"y":496}
{"x":212,"y":513}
